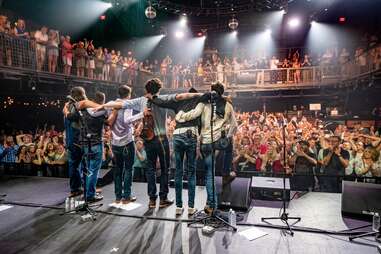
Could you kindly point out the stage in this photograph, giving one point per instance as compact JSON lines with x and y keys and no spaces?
{"x":42,"y":230}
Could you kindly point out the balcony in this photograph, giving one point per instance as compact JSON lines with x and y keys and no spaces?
{"x":18,"y":62}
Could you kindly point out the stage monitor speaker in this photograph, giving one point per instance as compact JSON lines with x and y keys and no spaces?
{"x":360,"y":200}
{"x":269,"y":188}
{"x":105,"y":177}
{"x":233,"y":193}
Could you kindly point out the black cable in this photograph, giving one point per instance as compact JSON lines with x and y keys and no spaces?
{"x":295,"y":228}
{"x":31,"y":205}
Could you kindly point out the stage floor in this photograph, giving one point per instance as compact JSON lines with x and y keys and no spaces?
{"x":41,"y":230}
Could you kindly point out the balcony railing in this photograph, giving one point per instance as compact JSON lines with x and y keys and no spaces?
{"x":20,"y":54}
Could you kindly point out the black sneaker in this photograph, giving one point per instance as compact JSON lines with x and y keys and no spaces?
{"x":165,"y":203}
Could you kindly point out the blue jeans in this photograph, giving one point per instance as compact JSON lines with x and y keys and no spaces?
{"x":157,"y":148}
{"x":184,"y":145}
{"x":224,"y":160}
{"x":75,"y":154}
{"x":206,"y":151}
{"x":124,"y":159}
{"x":226,"y":156}
{"x":95,"y":163}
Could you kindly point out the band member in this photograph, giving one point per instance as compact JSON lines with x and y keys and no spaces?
{"x":185,"y":139}
{"x":123,"y":148}
{"x":224,"y":117}
{"x":154,"y":134}
{"x":72,"y":134}
{"x":90,"y":139}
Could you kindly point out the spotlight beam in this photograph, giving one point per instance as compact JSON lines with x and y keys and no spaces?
{"x":294,"y":22}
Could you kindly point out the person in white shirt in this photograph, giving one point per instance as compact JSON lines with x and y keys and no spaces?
{"x":41,"y":37}
{"x":273,"y":66}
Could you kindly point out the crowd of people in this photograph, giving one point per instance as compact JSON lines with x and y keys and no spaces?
{"x":32,"y":150}
{"x":258,"y":148}
{"x":55,"y":52}
{"x":42,"y":152}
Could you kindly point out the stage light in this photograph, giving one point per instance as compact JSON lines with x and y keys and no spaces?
{"x":150,"y":12}
{"x":294,"y":22}
{"x":233,"y":23}
{"x":179,"y":34}
{"x":102,"y":17}
{"x":313,"y":22}
{"x":282,"y":12}
{"x":144,"y":46}
{"x":199,"y":34}
{"x":108,"y":5}
{"x":268,"y":31}
{"x":342,"y":19}
{"x":234,"y":33}
{"x":183,"y":21}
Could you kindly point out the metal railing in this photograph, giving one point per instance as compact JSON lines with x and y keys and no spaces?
{"x":256,"y":77}
{"x":20,"y":53}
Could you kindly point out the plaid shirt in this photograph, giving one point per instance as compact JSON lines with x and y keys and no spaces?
{"x":9,"y":153}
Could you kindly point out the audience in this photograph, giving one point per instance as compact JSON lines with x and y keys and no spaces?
{"x":317,"y":156}
{"x":111,"y":65}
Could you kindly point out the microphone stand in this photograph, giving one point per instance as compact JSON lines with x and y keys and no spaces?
{"x":85,"y":138}
{"x":284,"y":216}
{"x":213,"y":219}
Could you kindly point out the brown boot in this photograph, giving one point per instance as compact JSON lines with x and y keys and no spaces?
{"x":152,"y":204}
{"x":128,"y":200}
{"x":75,"y":194}
{"x":165,"y":203}
{"x":208,"y":210}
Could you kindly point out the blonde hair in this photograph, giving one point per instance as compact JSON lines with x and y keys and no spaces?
{"x":374,"y":153}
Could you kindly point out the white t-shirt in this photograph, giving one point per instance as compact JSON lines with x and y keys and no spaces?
{"x":40,"y":37}
{"x":274,"y":63}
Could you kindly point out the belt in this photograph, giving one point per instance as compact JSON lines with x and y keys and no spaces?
{"x":183,"y":130}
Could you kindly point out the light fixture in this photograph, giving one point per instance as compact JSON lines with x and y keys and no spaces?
{"x":183,"y":21}
{"x":268,"y":31}
{"x":179,"y":34}
{"x":233,"y":23}
{"x":294,"y":22}
{"x":150,"y":12}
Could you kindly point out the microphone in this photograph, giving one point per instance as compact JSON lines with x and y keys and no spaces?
{"x":213,"y":95}
{"x":70,"y":98}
